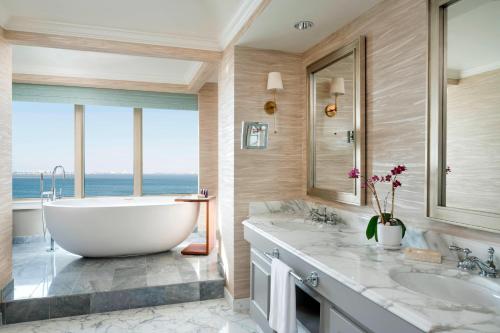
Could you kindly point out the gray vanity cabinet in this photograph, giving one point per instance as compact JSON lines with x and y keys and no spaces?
{"x":260,"y":286}
{"x":341,"y":309}
{"x":338,"y":323}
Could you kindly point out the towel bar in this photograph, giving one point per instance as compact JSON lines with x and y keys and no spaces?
{"x":312,"y":279}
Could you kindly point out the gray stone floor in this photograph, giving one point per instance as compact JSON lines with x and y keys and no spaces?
{"x":38,"y":273}
{"x":207,"y":316}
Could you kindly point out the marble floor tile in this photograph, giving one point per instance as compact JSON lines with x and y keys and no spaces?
{"x":129,"y":277}
{"x":207,"y":317}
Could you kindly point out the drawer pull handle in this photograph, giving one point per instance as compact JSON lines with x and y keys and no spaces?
{"x":312,"y":279}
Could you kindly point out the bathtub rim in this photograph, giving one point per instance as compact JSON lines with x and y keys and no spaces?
{"x":115,"y":202}
{"x":35,"y":204}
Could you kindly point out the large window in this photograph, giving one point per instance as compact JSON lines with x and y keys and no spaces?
{"x":42,"y":137}
{"x":110,"y":142}
{"x":109,"y":154}
{"x":170,"y":151}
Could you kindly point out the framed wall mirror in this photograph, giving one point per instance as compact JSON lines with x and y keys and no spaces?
{"x":464,"y":113}
{"x":336,"y":124}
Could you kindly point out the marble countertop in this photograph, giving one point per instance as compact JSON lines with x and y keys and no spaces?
{"x":344,"y":253}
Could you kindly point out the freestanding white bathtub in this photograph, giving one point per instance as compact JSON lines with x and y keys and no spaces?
{"x":107,"y":227}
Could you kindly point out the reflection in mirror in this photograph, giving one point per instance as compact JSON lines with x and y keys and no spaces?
{"x":334,"y":125}
{"x":471,"y":156}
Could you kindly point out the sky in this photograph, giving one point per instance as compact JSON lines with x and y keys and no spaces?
{"x":43,"y":136}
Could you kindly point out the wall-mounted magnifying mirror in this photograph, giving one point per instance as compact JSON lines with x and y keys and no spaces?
{"x":464,"y":113}
{"x":336,"y":124}
{"x":254,"y":135}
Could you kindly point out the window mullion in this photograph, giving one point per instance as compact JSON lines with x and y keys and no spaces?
{"x":137,"y":151}
{"x":79,"y":151}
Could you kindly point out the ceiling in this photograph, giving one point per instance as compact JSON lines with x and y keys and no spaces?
{"x":95,"y":65}
{"x":198,"y":24}
{"x":473,"y":37}
{"x":204,"y":24}
{"x":273,"y":29}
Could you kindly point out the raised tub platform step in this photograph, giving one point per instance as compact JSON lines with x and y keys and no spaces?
{"x":59,"y":284}
{"x":32,"y":309}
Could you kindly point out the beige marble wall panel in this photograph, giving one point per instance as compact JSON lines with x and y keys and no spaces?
{"x":208,"y":138}
{"x":226,"y":185}
{"x":275,"y":172}
{"x":207,"y":105}
{"x":5,"y":162}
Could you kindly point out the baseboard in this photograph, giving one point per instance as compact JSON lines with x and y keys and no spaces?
{"x":28,"y":239}
{"x":7,"y":289}
{"x":239,"y":304}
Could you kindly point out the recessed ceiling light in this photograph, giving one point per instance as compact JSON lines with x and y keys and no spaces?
{"x":303,"y":25}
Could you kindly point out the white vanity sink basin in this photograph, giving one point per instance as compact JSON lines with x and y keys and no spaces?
{"x":475,"y":292}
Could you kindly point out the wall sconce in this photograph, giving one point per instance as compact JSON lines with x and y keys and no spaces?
{"x":336,"y":89}
{"x":274,"y":83}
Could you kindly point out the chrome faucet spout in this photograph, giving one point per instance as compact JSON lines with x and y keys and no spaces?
{"x":322,"y":216}
{"x":53,"y":189}
{"x":470,"y":263}
{"x":486,"y":268}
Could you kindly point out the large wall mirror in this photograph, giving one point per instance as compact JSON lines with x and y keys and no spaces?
{"x":464,"y":113}
{"x":336,"y":124}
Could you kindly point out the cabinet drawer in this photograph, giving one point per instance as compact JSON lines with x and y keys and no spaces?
{"x":340,"y":324}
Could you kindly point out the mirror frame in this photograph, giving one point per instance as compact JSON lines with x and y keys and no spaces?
{"x":436,"y":132}
{"x":357,"y":47}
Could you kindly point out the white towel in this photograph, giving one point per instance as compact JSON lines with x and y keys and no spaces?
{"x":282,"y":317}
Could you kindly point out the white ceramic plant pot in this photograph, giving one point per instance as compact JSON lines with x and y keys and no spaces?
{"x":389,"y":236}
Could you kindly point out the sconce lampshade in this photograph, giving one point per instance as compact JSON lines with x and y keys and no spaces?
{"x":274,"y":81}
{"x":337,"y":86}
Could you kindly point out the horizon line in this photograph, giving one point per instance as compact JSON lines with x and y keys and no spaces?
{"x":104,"y":173}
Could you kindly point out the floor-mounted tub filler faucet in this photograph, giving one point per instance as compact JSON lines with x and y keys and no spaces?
{"x":470,"y":263}
{"x":51,"y":195}
{"x":53,"y":189}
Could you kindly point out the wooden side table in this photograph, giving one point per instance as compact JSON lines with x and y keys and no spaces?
{"x":203,"y":249}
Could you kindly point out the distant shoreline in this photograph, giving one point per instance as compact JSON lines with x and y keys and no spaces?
{"x":105,"y":174}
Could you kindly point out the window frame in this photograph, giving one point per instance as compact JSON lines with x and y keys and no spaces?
{"x":79,"y":157}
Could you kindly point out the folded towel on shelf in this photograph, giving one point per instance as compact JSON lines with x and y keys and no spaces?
{"x":282,"y":316}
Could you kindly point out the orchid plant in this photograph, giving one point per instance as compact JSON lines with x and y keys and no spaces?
{"x":383,"y":216}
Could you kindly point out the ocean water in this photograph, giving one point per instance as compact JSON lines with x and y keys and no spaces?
{"x":28,"y":186}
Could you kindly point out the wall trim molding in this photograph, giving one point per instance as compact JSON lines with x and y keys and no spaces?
{"x":204,"y":73}
{"x":4,"y":16}
{"x":479,"y":70}
{"x":26,"y":24}
{"x":110,"y":46}
{"x":239,"y":304}
{"x":238,"y":21}
{"x":70,"y":81}
{"x":109,"y":73}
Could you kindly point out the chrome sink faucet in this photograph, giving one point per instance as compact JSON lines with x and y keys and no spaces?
{"x":470,"y":263}
{"x":322,"y":216}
